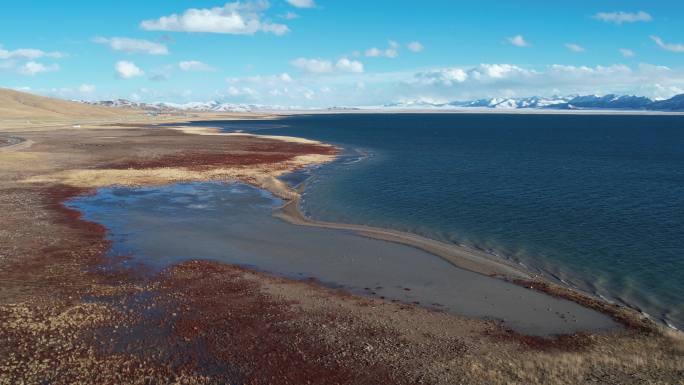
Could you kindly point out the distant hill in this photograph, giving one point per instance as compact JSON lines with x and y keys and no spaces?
{"x":575,"y":102}
{"x":15,"y":105}
{"x":675,"y":103}
{"x":210,"y":106}
{"x":610,"y":102}
{"x":584,"y":102}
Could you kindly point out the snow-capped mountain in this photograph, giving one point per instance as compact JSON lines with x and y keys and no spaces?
{"x":531,"y":102}
{"x":210,"y":106}
{"x":611,"y":101}
{"x":116,"y":103}
{"x":574,"y":102}
{"x":578,"y":102}
{"x":510,"y":103}
{"x":675,"y":103}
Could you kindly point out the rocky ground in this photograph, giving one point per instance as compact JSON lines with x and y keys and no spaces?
{"x":68,"y":315}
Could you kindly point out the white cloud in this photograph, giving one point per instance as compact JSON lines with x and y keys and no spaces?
{"x":323,"y":66}
{"x":330,"y":88}
{"x":290,"y":15}
{"x":271,"y":89}
{"x":481,"y":74}
{"x":33,"y":68}
{"x":337,"y":88}
{"x":27,"y":54}
{"x":194,"y":65}
{"x":244,"y":91}
{"x":346,"y":65}
{"x":23,"y":60}
{"x":314,"y":66}
{"x":627,"y":52}
{"x":127,"y":70}
{"x":623,"y":17}
{"x":498,"y":71}
{"x":129,"y":45}
{"x":415,"y":46}
{"x":446,"y":76}
{"x":496,"y":80}
{"x":391,"y":51}
{"x":161,"y":74}
{"x":518,"y":41}
{"x":86,"y":88}
{"x":302,"y":3}
{"x":661,"y":92}
{"x":263,"y":80}
{"x":373,"y":52}
{"x":668,"y":46}
{"x":574,"y":47}
{"x":233,"y":18}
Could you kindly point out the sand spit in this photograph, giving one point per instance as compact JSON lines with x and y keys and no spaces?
{"x":478,"y":262}
{"x":232,"y":223}
{"x":217,"y":131}
{"x":68,"y":315}
{"x":460,"y":257}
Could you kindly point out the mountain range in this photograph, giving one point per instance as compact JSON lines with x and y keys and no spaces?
{"x":210,"y":106}
{"x":576,"y":102}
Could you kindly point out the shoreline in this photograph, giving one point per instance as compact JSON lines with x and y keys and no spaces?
{"x":227,"y":229}
{"x":466,"y":258}
{"x":459,"y":256}
{"x":65,"y":319}
{"x":481,"y":263}
{"x":462,"y":257}
{"x":476,"y":110}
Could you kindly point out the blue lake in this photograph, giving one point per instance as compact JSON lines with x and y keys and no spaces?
{"x":594,"y":201}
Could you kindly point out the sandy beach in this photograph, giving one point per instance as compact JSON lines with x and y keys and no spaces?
{"x":70,"y":314}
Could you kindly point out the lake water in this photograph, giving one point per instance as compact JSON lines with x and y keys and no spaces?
{"x":233,"y":223}
{"x":594,"y":201}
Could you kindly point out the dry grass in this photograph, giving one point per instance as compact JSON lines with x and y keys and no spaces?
{"x":263,"y":176}
{"x":424,"y":346}
{"x":216,"y":131}
{"x":20,"y":105}
{"x":65,"y":321}
{"x":20,"y":111}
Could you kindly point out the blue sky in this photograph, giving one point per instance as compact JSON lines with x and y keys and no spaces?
{"x":352,"y":52}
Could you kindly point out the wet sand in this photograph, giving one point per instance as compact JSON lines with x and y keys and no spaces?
{"x":232,"y":223}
